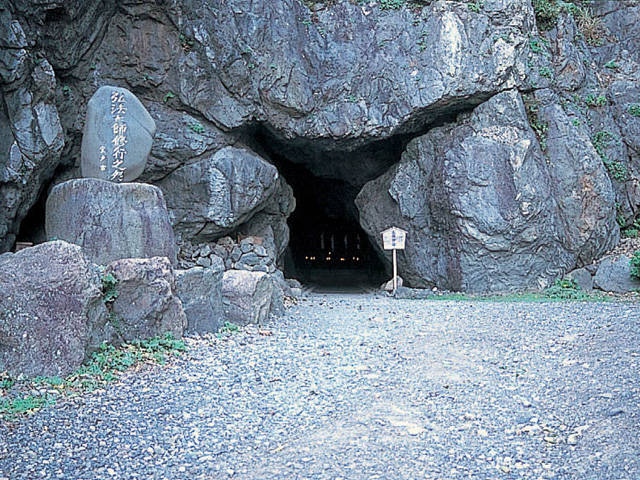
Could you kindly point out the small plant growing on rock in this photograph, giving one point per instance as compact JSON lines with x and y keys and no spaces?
{"x":196,"y":127}
{"x":546,"y":72}
{"x":109,"y":290}
{"x":634,"y":263}
{"x":594,"y":100}
{"x":616,"y":169}
{"x":611,"y":65}
{"x":229,"y":327}
{"x":168,"y":96}
{"x":634,"y":109}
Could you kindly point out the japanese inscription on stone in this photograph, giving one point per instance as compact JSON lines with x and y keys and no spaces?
{"x":117,"y":136}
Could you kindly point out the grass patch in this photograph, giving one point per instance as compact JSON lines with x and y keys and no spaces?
{"x":106,"y":364}
{"x":554,"y":293}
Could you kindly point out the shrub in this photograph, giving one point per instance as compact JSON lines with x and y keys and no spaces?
{"x":565,"y":289}
{"x":634,"y":109}
{"x":634,"y":263}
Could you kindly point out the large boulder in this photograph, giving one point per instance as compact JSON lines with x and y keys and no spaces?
{"x":117,"y":137}
{"x":486,"y":210}
{"x":51,"y":310}
{"x":246,"y":296}
{"x":111,"y":221}
{"x":200,"y":290}
{"x":212,"y":197}
{"x":614,"y":275}
{"x":146,"y":303}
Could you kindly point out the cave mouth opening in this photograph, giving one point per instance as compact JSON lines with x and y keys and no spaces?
{"x":328,"y":249}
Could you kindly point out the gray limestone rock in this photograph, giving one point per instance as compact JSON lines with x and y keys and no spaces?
{"x":613,"y":275}
{"x":147,"y":303}
{"x":582,"y":277}
{"x":51,"y":310}
{"x":480,"y":209}
{"x":111,"y":221}
{"x":212,"y":197}
{"x":117,"y":137}
{"x":246,"y":296}
{"x":200,"y":290}
{"x":31,"y":138}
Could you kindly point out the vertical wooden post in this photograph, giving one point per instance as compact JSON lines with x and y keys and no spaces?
{"x":395,"y":272}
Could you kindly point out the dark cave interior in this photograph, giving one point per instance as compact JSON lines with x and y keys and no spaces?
{"x":328,"y":249}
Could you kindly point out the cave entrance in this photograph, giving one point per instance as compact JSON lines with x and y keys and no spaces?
{"x":328,"y":250}
{"x":327,"y":247}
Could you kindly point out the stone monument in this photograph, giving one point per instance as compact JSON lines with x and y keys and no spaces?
{"x":108,"y":214}
{"x":117,"y":136}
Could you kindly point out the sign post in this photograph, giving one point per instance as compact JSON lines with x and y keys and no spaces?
{"x":394,"y":239}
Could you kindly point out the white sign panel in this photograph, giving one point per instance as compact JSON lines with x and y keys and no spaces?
{"x":393,"y":238}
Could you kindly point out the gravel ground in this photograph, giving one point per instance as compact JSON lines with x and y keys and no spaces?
{"x":365,"y":387}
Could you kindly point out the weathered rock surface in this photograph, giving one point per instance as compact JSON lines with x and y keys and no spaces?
{"x":246,"y":296}
{"x":51,"y":310}
{"x":147,"y":303}
{"x":613,"y":275}
{"x":31,"y":138}
{"x":200,"y":290}
{"x":583,"y":279}
{"x":111,"y":221}
{"x":481,"y":212}
{"x":332,"y":93}
{"x":117,"y":138}
{"x":212,"y":197}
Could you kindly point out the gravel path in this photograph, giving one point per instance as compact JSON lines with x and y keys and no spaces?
{"x":365,"y":387}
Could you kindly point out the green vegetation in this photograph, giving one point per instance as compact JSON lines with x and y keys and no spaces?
{"x":109,"y":290}
{"x":391,"y":4}
{"x":631,"y":231}
{"x":196,"y":127}
{"x":634,"y":109}
{"x":612,"y":65}
{"x":168,"y":96}
{"x":547,"y":12}
{"x":476,"y":6}
{"x":565,"y":289}
{"x":620,"y":220}
{"x":538,"y":44}
{"x":618,"y":170}
{"x":546,"y":72}
{"x":186,"y":42}
{"x":634,"y":263}
{"x":539,"y":127}
{"x":561,"y":290}
{"x":104,"y":367}
{"x":591,"y":28}
{"x":594,"y":100}
{"x":229,"y":327}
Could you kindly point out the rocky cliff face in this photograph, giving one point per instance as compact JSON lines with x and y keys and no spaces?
{"x":503,"y":135}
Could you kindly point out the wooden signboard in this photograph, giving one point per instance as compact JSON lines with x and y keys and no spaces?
{"x":394,"y":239}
